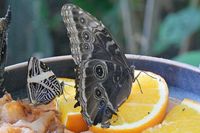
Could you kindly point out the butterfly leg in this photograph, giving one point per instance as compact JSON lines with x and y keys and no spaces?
{"x":136,"y":78}
{"x":115,"y":118}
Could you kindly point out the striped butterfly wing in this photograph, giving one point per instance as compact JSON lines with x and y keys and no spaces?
{"x":42,"y":84}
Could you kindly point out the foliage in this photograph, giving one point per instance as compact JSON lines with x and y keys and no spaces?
{"x":177,"y":27}
{"x":43,"y":17}
{"x":192,"y":58}
{"x":28,"y":33}
{"x":91,"y":6}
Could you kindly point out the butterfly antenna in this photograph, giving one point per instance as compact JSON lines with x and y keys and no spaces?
{"x":65,"y":97}
{"x":149,"y":75}
{"x":64,"y":91}
{"x":136,"y":78}
{"x":68,"y":84}
{"x":57,"y":103}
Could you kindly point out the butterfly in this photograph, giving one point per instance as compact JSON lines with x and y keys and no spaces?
{"x":42,"y":84}
{"x":4,"y":25}
{"x":103,"y":76}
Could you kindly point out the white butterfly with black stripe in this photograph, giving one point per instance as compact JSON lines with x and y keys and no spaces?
{"x":42,"y":84}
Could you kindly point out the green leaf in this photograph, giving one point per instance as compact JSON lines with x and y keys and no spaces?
{"x":176,"y":28}
{"x":192,"y":58}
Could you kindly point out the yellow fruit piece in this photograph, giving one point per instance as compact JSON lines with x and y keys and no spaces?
{"x":183,"y":118}
{"x":140,"y":110}
{"x":70,"y":116}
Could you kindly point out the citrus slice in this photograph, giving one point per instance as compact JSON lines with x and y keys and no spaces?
{"x":70,"y":116}
{"x":183,"y":118}
{"x":142,"y":109}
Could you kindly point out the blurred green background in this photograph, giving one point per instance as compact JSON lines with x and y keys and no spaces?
{"x":168,"y":28}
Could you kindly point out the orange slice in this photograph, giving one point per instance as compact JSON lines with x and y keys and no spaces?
{"x":140,"y":110}
{"x":70,"y":116}
{"x":183,"y":118}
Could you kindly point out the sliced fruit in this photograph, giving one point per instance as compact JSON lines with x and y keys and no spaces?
{"x":70,"y":116}
{"x":142,"y":109}
{"x":76,"y":123}
{"x":183,"y":118}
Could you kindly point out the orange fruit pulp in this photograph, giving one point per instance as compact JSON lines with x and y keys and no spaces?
{"x":139,"y":112}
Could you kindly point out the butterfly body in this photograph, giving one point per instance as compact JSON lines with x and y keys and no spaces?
{"x":42,"y":84}
{"x":104,"y":78}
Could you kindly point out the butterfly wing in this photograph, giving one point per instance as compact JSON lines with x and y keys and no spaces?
{"x":102,"y":67}
{"x":42,"y":84}
{"x":103,"y":86}
{"x":4,"y":24}
{"x":89,"y":38}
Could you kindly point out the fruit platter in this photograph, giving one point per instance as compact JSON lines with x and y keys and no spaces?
{"x":63,"y":66}
{"x":96,"y":89}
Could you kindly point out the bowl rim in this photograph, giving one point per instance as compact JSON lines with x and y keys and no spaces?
{"x":129,"y":56}
{"x":164,"y":61}
{"x":176,"y":74}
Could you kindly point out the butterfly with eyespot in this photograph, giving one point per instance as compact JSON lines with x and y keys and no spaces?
{"x":42,"y":84}
{"x":103,"y":76}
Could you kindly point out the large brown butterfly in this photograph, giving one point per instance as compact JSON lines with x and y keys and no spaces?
{"x":104,"y":77}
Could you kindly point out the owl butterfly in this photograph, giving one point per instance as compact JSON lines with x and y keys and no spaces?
{"x":104,"y":78}
{"x":4,"y":24}
{"x":42,"y":84}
